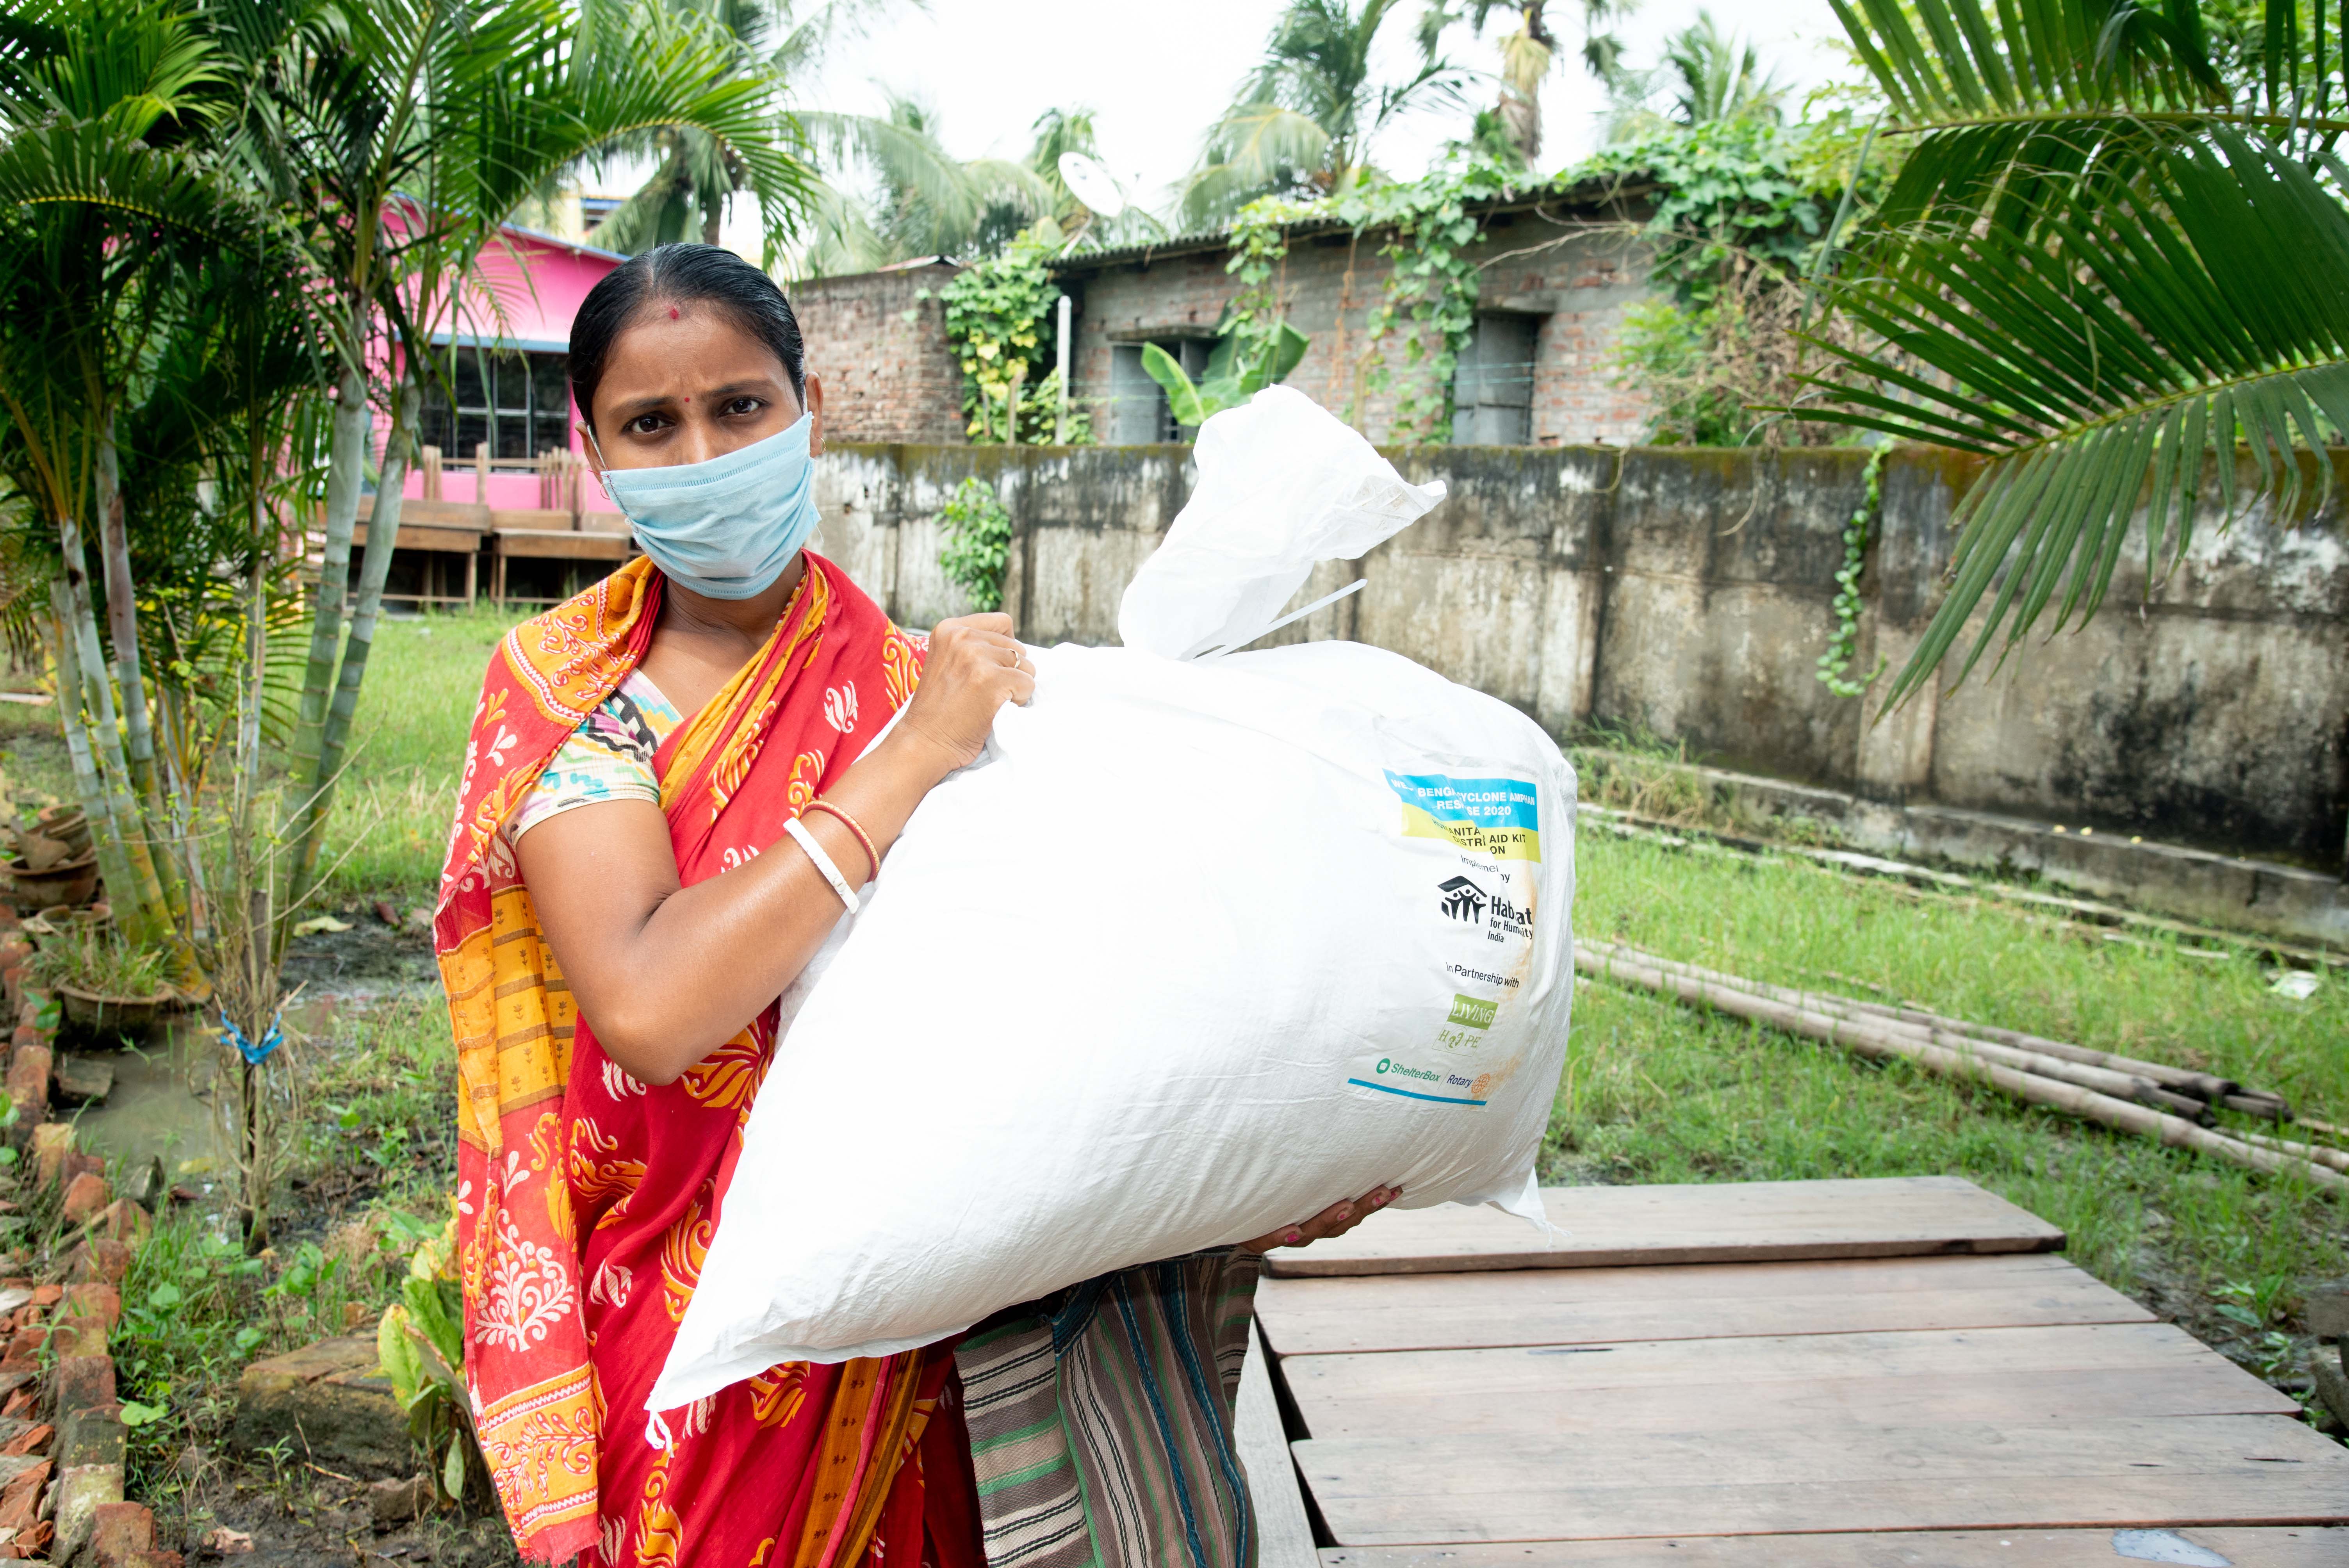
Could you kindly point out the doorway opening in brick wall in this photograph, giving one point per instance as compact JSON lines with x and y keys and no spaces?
{"x":1493,"y":388}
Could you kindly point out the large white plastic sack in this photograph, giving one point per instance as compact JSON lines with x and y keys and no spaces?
{"x":1198,"y":949}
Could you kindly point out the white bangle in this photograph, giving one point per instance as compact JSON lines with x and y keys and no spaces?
{"x":806,"y":840}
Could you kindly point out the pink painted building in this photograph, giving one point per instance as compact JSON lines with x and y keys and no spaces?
{"x":510,"y":390}
{"x":502,"y":489}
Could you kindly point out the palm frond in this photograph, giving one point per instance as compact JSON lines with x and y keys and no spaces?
{"x":932,"y":204}
{"x":2115,"y":269}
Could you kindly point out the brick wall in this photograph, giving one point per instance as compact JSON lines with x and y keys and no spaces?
{"x":1577,"y":280}
{"x":889,"y":376}
{"x":881,"y":349}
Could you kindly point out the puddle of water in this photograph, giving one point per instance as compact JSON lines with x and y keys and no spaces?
{"x":152,"y":1111}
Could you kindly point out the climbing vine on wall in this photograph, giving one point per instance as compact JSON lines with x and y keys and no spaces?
{"x":1834,"y":664}
{"x":1259,"y":257}
{"x":998,"y":315}
{"x":1431,"y":288}
{"x":977,"y":549}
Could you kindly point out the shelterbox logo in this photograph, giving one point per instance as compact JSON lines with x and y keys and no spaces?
{"x":1471,"y":1013}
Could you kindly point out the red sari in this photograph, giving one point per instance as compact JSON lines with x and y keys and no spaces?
{"x":586,"y":1198}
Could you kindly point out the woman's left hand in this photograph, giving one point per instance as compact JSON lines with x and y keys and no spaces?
{"x":1334,"y":1220}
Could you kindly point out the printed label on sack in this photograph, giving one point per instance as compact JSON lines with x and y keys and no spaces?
{"x":1478,"y":896}
{"x":1437,"y":1080}
{"x":1495,"y":817}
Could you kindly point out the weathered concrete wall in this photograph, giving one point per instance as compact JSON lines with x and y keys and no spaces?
{"x":1687,"y":593}
{"x":1578,"y":282}
{"x":879,"y":342}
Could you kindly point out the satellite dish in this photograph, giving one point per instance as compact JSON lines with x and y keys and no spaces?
{"x":1092,"y":184}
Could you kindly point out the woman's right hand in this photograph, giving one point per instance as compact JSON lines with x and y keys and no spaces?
{"x":974,"y":667}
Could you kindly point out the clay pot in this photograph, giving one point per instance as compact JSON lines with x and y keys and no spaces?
{"x":96,"y":1013}
{"x":72,"y":882}
{"x":67,"y":825}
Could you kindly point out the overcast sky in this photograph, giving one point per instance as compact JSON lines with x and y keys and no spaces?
{"x":1155,"y":76}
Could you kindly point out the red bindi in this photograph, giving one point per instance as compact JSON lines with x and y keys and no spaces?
{"x":672,"y":313}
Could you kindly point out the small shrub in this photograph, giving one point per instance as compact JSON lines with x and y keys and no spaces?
{"x":978,"y":548}
{"x":99,"y":961}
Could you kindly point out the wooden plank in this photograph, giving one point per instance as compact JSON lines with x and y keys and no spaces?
{"x":1688,"y":1301}
{"x":2025,"y":1376}
{"x":553,"y":520}
{"x":1809,"y":1477}
{"x":560,"y":544}
{"x":1284,"y":1536}
{"x":418,"y":513}
{"x":423,"y":536}
{"x":1701,"y":1223}
{"x":2306,"y":1547}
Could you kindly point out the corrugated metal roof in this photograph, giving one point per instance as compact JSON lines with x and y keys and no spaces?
{"x":1590,"y":192}
{"x":577,"y":247}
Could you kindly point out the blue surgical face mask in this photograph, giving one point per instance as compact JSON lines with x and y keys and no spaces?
{"x":727,"y":527}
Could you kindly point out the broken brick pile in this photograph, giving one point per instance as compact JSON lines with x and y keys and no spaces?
{"x":62,"y":1439}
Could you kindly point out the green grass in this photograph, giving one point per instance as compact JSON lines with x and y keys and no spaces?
{"x":392,"y":811}
{"x":398,"y":794}
{"x":1656,"y":1091}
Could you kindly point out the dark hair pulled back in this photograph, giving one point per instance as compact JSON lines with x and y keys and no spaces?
{"x":681,"y":274}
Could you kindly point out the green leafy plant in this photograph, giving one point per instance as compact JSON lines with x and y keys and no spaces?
{"x":1834,"y":664}
{"x":1236,"y":372}
{"x":102,"y":963}
{"x":977,"y":545}
{"x":193,"y":1313}
{"x":421,"y":1343}
{"x":996,"y":313}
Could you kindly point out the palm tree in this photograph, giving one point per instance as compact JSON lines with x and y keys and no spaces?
{"x":105,"y":204}
{"x":1717,"y":78}
{"x":924,"y":202}
{"x":695,"y":177}
{"x":920,"y":200}
{"x":1709,"y":77}
{"x":2118,"y":247}
{"x":1528,"y":55}
{"x":1304,"y":121}
{"x":399,"y":134}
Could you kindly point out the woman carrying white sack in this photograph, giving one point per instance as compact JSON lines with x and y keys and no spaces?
{"x":678,"y":781}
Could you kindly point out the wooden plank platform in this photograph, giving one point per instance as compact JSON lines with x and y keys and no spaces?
{"x":1703,"y":1222}
{"x":1891,"y":1407}
{"x":1803,"y":1477}
{"x":2308,"y":1547}
{"x":2017,"y":1375}
{"x":1593,"y":1307}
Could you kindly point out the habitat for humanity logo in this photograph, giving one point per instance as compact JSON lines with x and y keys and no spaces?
{"x":1463,"y":900}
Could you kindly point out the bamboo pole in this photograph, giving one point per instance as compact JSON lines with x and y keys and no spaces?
{"x":94,"y":803}
{"x":138,"y":904}
{"x":2337,"y":1159}
{"x":122,"y":618}
{"x":2206,"y":1087}
{"x":2103,"y":1080}
{"x":346,"y":468}
{"x":366,"y":601}
{"x":1871,"y":1039}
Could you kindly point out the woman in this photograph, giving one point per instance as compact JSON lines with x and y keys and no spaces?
{"x":677,"y":782}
